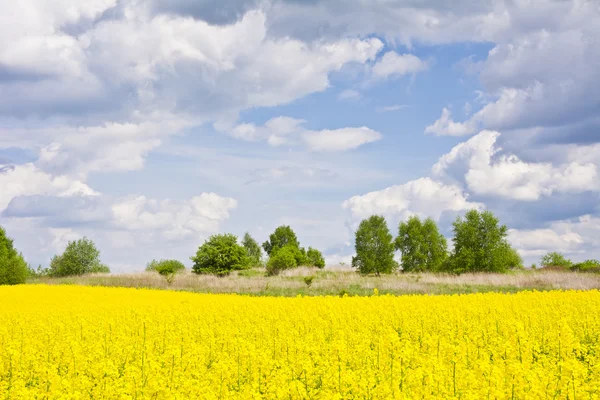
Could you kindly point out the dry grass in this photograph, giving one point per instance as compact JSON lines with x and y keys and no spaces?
{"x":339,"y":280}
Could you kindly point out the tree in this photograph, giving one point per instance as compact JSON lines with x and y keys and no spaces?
{"x":13,"y":268}
{"x":284,"y":258}
{"x":80,"y":257}
{"x":315,"y":258}
{"x":480,"y":245}
{"x":555,"y":259}
{"x":252,"y":249}
{"x":422,"y":246}
{"x":283,"y":236}
{"x":374,"y":247}
{"x":166,"y":266}
{"x":220,"y":255}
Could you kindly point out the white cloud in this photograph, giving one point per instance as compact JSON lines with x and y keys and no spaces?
{"x":175,"y":220}
{"x":393,"y":65}
{"x":423,"y":196}
{"x":395,"y":107}
{"x":486,"y":172}
{"x":340,"y":139}
{"x":284,"y":130}
{"x":349,"y":95}
{"x":445,"y":126}
{"x":537,"y":242}
{"x":27,"y":180}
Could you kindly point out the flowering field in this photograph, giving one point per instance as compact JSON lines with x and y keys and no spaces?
{"x":72,"y":342}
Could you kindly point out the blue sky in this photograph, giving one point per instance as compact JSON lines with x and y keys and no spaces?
{"x":148,"y":126}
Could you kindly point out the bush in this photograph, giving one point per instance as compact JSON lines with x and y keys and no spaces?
{"x":374,"y":247}
{"x":315,"y":258}
{"x":252,"y":249}
{"x":80,"y":257}
{"x":587,"y":266}
{"x":555,"y":259}
{"x":13,"y":268}
{"x":220,"y":255}
{"x":284,"y":258}
{"x":164,"y":267}
{"x":283,"y":236}
{"x":480,"y":245}
{"x":422,"y":246}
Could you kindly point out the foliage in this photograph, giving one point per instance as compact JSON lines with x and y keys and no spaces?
{"x":283,"y":236}
{"x":80,"y":257}
{"x":284,"y":258}
{"x":308,"y":280}
{"x":587,"y":266}
{"x":253,"y":249}
{"x":219,"y":255}
{"x":164,"y":267}
{"x":38,"y":272}
{"x":555,"y":259}
{"x":315,"y":258}
{"x":374,"y":247}
{"x":13,"y":268}
{"x":480,"y":245}
{"x":422,"y":246}
{"x":72,"y":342}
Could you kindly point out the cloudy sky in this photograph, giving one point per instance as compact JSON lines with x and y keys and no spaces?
{"x":148,"y":125}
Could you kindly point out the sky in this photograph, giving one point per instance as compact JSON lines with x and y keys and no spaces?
{"x":149,"y":125}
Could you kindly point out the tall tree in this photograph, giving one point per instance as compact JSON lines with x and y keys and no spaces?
{"x":480,"y":245}
{"x":283,"y":236}
{"x":80,"y":257}
{"x":374,"y":247}
{"x":253,"y":249}
{"x":422,"y":246}
{"x":13,"y":269}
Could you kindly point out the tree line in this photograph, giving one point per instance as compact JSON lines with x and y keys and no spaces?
{"x":479,"y":245}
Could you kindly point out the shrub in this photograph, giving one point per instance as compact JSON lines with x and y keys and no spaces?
{"x":284,"y":258}
{"x":165,"y":266}
{"x":252,"y":249}
{"x":422,"y":246}
{"x":308,"y":280}
{"x":555,"y":259}
{"x":315,"y":258}
{"x":480,"y":245}
{"x":13,"y":268}
{"x":220,"y":255}
{"x":374,"y":247}
{"x":587,"y":266}
{"x":80,"y":257}
{"x":283,"y":236}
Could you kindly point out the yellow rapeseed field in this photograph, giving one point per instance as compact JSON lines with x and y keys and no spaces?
{"x":72,"y":342}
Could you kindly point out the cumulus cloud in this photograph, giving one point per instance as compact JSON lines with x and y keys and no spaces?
{"x":393,"y":65}
{"x":340,"y":139}
{"x":175,"y":219}
{"x":284,"y":130}
{"x":423,"y":196}
{"x":27,"y":180}
{"x":487,"y":172}
{"x":537,"y":242}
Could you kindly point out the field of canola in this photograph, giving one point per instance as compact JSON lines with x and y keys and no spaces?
{"x":70,"y":342}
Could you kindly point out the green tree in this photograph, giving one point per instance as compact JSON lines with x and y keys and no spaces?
{"x":374,"y":247}
{"x":555,"y":259}
{"x":480,"y":245}
{"x":166,"y":266}
{"x":13,"y":268}
{"x":220,"y":255}
{"x":283,"y":236}
{"x":252,"y":249}
{"x":315,"y":258}
{"x":284,"y":258}
{"x":80,"y":257}
{"x":422,"y":246}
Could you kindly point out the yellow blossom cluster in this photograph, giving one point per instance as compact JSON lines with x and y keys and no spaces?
{"x":72,"y":342}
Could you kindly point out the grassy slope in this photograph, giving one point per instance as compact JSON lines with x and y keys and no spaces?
{"x":337,"y":281}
